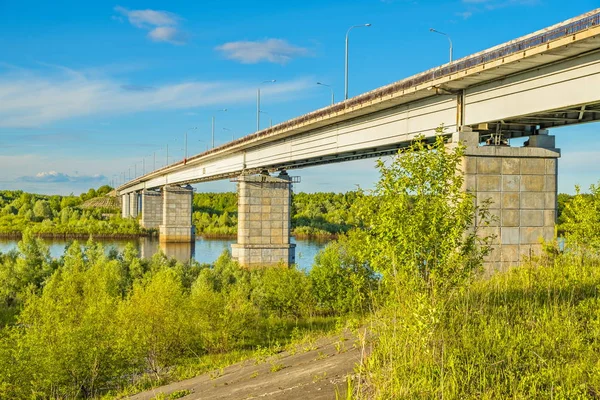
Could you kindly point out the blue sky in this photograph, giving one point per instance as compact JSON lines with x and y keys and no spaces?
{"x":89,"y":90}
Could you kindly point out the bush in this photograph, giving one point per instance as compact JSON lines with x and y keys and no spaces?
{"x":283,"y":291}
{"x":342,"y":280}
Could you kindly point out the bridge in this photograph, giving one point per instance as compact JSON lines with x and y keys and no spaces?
{"x":521,"y":88}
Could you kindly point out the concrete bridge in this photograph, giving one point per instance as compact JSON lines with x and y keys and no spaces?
{"x":524,"y":87}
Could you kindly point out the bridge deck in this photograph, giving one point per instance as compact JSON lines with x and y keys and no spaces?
{"x":567,"y":40}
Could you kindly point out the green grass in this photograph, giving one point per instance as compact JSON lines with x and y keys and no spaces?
{"x":530,"y":333}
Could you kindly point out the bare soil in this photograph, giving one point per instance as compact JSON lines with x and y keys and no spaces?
{"x":317,"y":370}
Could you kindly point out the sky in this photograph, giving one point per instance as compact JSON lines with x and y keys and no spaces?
{"x":92,"y":91}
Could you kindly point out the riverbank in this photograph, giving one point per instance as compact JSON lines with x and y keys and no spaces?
{"x":66,"y":236}
{"x":150,"y":234}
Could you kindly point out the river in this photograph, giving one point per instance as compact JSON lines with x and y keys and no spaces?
{"x":202,"y":250}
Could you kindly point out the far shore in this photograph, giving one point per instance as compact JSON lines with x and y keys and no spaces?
{"x":118,"y":236}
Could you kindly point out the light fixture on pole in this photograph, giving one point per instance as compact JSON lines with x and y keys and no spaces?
{"x":258,"y":104}
{"x":330,"y":88}
{"x":346,"y":69}
{"x":213,"y":128}
{"x":445,"y":34}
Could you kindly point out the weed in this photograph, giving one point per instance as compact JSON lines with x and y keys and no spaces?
{"x":276,"y":367}
{"x":319,"y":377}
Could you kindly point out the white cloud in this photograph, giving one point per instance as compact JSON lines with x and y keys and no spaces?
{"x":29,"y":99}
{"x":167,"y":34}
{"x":162,"y":25}
{"x":271,"y":50}
{"x":144,"y":18}
{"x":59,"y":177}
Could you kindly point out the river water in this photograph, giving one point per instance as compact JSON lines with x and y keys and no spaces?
{"x":202,"y":250}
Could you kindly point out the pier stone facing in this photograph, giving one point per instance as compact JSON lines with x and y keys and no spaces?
{"x":152,"y":209}
{"x":176,"y":225}
{"x":520,"y":184}
{"x":125,"y":205}
{"x":133,"y":204}
{"x":264,"y":204}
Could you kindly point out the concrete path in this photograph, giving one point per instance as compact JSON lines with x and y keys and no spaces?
{"x":314,"y":371}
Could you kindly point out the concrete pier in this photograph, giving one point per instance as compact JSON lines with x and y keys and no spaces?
{"x":264,"y":204}
{"x":152,"y":209}
{"x":125,"y":205}
{"x":176,"y":225}
{"x":520,"y":185}
{"x":133,"y":204}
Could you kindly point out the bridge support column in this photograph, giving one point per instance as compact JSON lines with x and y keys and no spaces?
{"x":152,"y":209}
{"x":133,"y":204}
{"x":521,"y":185}
{"x":176,"y":223}
{"x":264,"y":222}
{"x":125,"y":205}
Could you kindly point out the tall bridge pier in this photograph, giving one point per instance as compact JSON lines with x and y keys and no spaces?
{"x":264,"y":221}
{"x":519,"y":185}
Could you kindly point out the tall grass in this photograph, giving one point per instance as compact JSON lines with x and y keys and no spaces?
{"x":530,"y":333}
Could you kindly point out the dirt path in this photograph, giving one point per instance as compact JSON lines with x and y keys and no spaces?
{"x":314,"y":371}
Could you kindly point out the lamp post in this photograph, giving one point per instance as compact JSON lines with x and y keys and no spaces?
{"x":445,"y":34}
{"x":213,"y":128}
{"x":258,"y":104}
{"x":346,"y":69}
{"x":330,"y":88}
{"x":186,"y":134}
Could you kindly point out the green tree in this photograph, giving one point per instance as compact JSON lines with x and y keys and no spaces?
{"x":283,"y":291}
{"x":69,"y":345}
{"x":342,"y":279}
{"x":42,"y":209}
{"x":581,"y":216}
{"x":420,"y":222}
{"x":155,"y":321}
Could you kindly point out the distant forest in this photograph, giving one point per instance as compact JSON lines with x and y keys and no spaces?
{"x":214,"y":214}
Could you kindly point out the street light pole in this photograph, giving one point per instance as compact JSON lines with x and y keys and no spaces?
{"x":330,"y":88}
{"x":346,"y":69}
{"x":447,"y":36}
{"x":258,"y":104}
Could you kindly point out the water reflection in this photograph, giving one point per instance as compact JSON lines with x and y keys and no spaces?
{"x":202,"y":250}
